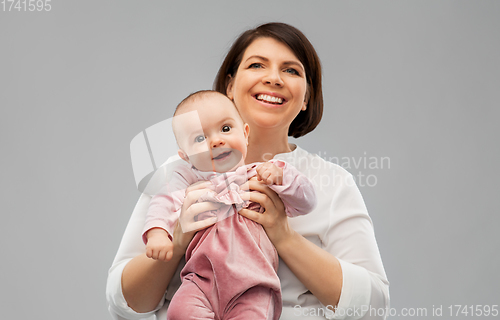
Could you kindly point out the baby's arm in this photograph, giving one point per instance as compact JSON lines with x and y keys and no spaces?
{"x":296,"y":190}
{"x":159,"y":245}
{"x":164,"y":207}
{"x":269,"y":173}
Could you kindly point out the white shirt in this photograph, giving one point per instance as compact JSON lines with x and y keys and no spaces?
{"x":339,"y":224}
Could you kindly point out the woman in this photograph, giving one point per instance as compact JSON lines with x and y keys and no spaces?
{"x":330,"y":256}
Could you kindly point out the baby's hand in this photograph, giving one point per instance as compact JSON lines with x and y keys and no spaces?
{"x":268,"y":173}
{"x":159,"y":245}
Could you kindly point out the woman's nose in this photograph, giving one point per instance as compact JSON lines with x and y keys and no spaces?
{"x":273,"y":78}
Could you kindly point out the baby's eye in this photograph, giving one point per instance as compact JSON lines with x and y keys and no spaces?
{"x":199,"y":138}
{"x":292,"y":71}
{"x":226,"y":128}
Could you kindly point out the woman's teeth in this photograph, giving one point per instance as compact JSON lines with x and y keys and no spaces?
{"x":270,"y":99}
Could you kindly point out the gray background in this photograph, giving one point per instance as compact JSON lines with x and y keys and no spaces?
{"x":415,"y":81}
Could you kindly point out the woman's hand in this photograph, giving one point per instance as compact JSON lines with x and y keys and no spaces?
{"x":302,"y":256}
{"x":187,"y":225}
{"x":273,"y":219}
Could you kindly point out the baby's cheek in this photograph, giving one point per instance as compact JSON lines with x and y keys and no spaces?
{"x":242,"y":148}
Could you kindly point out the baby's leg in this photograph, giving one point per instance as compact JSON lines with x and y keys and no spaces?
{"x":189,"y":302}
{"x":257,"y":303}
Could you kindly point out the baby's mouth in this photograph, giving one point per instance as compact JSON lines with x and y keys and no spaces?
{"x":269,"y":99}
{"x":222,"y":155}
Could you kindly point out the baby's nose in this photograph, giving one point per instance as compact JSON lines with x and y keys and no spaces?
{"x":217,"y":143}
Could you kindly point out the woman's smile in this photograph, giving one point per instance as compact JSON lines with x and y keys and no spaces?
{"x":270,"y":99}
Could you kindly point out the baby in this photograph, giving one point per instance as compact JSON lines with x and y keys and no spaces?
{"x":230,"y":266}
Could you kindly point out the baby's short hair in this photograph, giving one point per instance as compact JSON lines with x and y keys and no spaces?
{"x":197,"y":96}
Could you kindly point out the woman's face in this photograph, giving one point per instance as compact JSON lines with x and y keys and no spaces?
{"x":270,"y":85}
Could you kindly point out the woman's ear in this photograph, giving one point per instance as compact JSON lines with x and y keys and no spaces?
{"x":229,"y":87}
{"x":306,"y":99}
{"x":183,"y":155}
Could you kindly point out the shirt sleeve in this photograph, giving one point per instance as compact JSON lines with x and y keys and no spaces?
{"x":130,"y":247}
{"x":351,"y":238}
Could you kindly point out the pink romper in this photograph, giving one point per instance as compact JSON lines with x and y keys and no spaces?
{"x":230,"y":270}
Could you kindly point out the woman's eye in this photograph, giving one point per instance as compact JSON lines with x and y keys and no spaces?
{"x":199,"y":139}
{"x":226,"y":128}
{"x":255,"y":66}
{"x":292,"y":71}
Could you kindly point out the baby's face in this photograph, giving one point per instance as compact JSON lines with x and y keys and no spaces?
{"x":211,"y":134}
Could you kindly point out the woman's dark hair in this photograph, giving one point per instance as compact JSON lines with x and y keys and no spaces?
{"x":306,"y":120}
